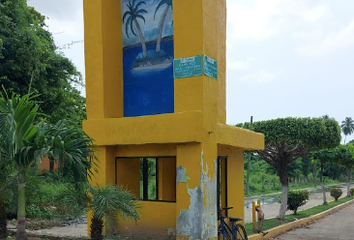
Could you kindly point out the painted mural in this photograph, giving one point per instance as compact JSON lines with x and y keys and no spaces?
{"x":147,"y":57}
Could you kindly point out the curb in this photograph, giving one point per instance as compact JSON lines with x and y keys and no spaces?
{"x":273,"y":232}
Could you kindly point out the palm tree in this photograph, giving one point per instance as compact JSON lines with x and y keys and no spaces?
{"x":5,"y":175}
{"x":162,"y":20}
{"x":108,"y":201}
{"x":347,"y":127}
{"x":132,"y":16}
{"x":23,"y":142}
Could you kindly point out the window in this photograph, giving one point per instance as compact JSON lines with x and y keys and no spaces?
{"x":149,"y":178}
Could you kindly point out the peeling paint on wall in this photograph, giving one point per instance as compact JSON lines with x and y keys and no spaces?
{"x":199,"y":221}
{"x":181,"y":175}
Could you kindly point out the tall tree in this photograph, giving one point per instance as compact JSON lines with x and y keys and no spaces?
{"x":347,"y":127}
{"x":131,"y":17}
{"x":324,"y":156}
{"x":5,"y":176}
{"x":345,"y":158}
{"x":24,"y":141}
{"x":162,"y":20}
{"x":30,"y":62}
{"x":286,"y":139}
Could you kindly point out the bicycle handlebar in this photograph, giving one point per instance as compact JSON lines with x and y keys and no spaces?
{"x":225,"y":208}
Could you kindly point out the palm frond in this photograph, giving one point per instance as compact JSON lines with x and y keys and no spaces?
{"x":161,"y":3}
{"x":108,"y":201}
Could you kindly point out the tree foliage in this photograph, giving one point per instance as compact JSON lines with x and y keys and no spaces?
{"x":24,"y":142}
{"x":345,"y":158}
{"x":30,"y":62}
{"x":347,"y":127}
{"x":296,"y":199}
{"x":336,"y":193}
{"x":287,"y":139}
{"x":324,"y":156}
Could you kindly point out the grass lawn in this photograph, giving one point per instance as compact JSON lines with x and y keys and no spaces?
{"x":274,"y":222}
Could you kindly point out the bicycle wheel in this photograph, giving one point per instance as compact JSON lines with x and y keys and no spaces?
{"x":241,"y":232}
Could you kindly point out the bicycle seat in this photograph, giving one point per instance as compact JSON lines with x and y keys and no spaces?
{"x":235,"y":219}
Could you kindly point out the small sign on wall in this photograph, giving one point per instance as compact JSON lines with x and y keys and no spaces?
{"x":188,"y":67}
{"x":195,"y":66}
{"x":210,"y":67}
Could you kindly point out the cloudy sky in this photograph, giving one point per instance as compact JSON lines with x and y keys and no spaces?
{"x":284,"y":57}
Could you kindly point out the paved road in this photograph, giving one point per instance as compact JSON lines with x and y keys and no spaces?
{"x":339,"y":226}
{"x":271,"y":210}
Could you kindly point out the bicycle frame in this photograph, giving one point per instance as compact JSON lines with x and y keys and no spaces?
{"x":224,"y":229}
{"x":230,"y":233}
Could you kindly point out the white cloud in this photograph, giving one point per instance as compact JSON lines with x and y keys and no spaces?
{"x":240,"y":64}
{"x":64,"y":18}
{"x":251,"y":22}
{"x":260,"y":76}
{"x":262,"y":19}
{"x":316,"y":14}
{"x":334,"y":41}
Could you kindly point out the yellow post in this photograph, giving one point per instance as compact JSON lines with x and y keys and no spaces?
{"x":254,"y":216}
{"x":254,"y":219}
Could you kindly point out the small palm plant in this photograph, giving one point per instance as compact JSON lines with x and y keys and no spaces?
{"x":107,"y":202}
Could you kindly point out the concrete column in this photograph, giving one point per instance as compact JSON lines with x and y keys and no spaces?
{"x":235,"y":183}
{"x":106,"y":166}
{"x":196,"y":191}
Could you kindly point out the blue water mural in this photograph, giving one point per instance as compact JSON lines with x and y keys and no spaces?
{"x":149,"y":91}
{"x":147,"y":57}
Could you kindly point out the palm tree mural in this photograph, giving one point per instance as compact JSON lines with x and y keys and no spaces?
{"x":347,"y":127}
{"x":131,"y":16}
{"x":162,"y":20}
{"x":147,"y":73}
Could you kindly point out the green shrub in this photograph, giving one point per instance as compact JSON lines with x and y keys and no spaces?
{"x":336,"y":193}
{"x":352,"y":192}
{"x":296,"y":199}
{"x":33,"y":211}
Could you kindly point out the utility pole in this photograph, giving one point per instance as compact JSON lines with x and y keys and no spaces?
{"x":248,"y":168}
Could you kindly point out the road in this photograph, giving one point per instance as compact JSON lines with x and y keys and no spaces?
{"x":271,"y":210}
{"x":337,"y":226}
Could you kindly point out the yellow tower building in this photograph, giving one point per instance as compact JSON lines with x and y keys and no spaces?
{"x":156,"y":108}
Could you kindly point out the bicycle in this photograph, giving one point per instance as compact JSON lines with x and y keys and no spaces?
{"x":237,"y":230}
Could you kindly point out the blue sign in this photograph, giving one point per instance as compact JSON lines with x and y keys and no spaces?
{"x":188,"y":67}
{"x":210,"y":67}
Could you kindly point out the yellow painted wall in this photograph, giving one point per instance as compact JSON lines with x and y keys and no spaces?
{"x":157,"y":220}
{"x":106,"y":165}
{"x":146,"y":150}
{"x":195,"y":133}
{"x":167,"y":179}
{"x":103,"y":53}
{"x":235,"y":178}
{"x":128,"y":174}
